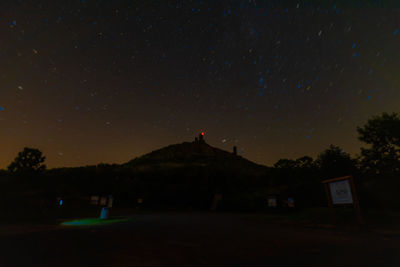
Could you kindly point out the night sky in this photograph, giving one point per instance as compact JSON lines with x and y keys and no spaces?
{"x":106,"y":81}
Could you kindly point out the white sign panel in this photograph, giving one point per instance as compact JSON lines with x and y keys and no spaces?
{"x":341,"y":192}
{"x":272,"y":202}
{"x":110,"y":202}
{"x":94,"y":200}
{"x":103,"y":201}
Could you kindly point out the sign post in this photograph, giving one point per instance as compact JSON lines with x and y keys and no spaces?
{"x":342,"y":192}
{"x":272,"y":202}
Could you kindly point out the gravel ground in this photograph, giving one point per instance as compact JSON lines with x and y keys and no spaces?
{"x":196,"y":239}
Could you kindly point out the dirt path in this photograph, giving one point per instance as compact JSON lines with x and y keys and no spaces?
{"x":199,"y":239}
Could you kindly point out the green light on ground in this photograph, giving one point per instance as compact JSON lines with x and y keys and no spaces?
{"x":94,"y":221}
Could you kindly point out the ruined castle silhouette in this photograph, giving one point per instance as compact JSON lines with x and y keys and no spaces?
{"x":200,"y":140}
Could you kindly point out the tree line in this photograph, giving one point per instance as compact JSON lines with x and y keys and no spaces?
{"x":376,"y":170}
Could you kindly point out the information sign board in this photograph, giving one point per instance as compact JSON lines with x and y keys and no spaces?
{"x":341,"y":192}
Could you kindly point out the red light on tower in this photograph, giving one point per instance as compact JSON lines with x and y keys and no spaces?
{"x":201,"y":137}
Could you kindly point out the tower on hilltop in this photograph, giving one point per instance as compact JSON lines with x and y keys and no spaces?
{"x":200,"y":139}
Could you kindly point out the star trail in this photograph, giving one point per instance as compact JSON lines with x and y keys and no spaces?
{"x":106,"y":81}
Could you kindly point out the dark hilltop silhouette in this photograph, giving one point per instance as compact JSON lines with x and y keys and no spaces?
{"x":195,"y":154}
{"x":190,"y":174}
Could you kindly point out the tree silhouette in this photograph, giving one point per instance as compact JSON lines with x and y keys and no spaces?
{"x":335,"y":162}
{"x":383,"y":134}
{"x":304,"y":162}
{"x":285,"y":164}
{"x":30,"y":160}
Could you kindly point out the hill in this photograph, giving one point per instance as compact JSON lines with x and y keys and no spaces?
{"x":195,"y":154}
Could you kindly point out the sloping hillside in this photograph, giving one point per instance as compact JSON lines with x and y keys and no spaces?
{"x":197,"y":153}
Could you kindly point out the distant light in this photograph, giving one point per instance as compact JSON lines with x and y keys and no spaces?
{"x":60,"y":202}
{"x":202,"y":133}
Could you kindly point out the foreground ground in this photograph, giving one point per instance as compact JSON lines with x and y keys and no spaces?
{"x":196,"y":239}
